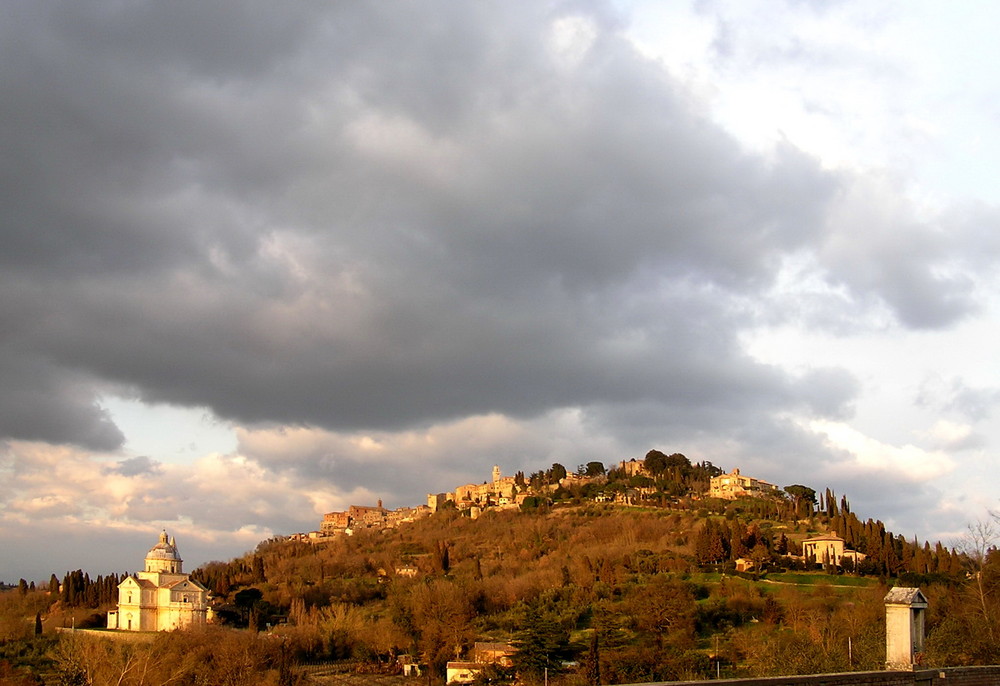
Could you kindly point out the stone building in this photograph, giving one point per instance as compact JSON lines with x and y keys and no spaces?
{"x":904,"y":627}
{"x":734,"y":485}
{"x":366,"y":517}
{"x":482,"y":654}
{"x":500,"y":490}
{"x":161,"y":597}
{"x":633,"y":467}
{"x":334,"y":522}
{"x":829,"y":549}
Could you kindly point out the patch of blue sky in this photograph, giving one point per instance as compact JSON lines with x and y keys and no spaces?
{"x":168,"y":433}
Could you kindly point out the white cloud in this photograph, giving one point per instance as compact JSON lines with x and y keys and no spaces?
{"x":866,"y":455}
{"x":226,"y":499}
{"x":861,"y":85}
{"x":571,"y":38}
{"x":949,"y":435}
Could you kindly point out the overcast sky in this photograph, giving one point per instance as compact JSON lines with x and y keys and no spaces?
{"x":260,"y":261}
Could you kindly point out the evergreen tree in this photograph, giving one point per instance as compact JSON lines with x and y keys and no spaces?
{"x":782,"y":546}
{"x":919,"y":557}
{"x":737,"y":545}
{"x":831,"y":503}
{"x":710,"y":546}
{"x":592,"y":662}
{"x":222,"y":585}
{"x":255,"y":621}
{"x":557,"y":473}
{"x":257,"y":571}
{"x":655,"y":462}
{"x":940,"y":559}
{"x":443,"y":557}
{"x":890,"y":559}
{"x":67,"y":595}
{"x":906,"y":556}
{"x":954,"y":564}
{"x":541,"y":644}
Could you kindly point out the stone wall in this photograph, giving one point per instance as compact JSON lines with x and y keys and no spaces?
{"x":949,"y":676}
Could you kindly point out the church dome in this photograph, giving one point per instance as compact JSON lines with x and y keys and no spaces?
{"x":164,"y":556}
{"x":164,"y":550}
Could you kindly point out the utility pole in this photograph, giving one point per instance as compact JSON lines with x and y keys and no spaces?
{"x":718,"y":668}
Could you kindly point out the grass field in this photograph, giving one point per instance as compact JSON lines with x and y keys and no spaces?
{"x":804,"y":579}
{"x":793,"y":579}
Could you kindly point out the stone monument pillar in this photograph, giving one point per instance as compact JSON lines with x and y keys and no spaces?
{"x":904,"y":627}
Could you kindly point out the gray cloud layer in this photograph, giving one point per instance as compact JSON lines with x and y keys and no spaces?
{"x":373,"y":216}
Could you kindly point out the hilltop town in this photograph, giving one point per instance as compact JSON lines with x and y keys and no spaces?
{"x":652,"y":570}
{"x":629,"y":482}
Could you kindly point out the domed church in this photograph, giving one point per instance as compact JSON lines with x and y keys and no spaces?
{"x":162,"y":597}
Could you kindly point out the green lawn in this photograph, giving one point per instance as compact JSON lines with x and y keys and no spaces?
{"x":804,"y":579}
{"x":793,"y":578}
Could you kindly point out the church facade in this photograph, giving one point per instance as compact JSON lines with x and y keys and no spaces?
{"x":161,"y":597}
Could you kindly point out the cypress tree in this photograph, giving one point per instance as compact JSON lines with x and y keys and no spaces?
{"x":919,"y":561}
{"x":955,"y":564}
{"x":68,"y":594}
{"x":257,"y":572}
{"x":940,"y":559}
{"x":592,"y":662}
{"x":906,"y":556}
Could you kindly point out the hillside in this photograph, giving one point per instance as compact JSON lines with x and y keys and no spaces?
{"x":572,"y":583}
{"x":633,"y":589}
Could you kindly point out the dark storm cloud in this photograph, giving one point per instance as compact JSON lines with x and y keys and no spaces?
{"x":42,"y":402}
{"x":377,"y":216}
{"x":135,"y":466}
